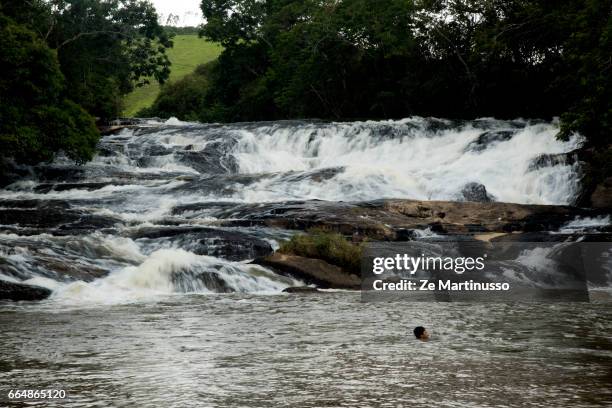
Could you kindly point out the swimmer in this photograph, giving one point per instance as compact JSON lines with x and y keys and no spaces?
{"x":421,"y":333}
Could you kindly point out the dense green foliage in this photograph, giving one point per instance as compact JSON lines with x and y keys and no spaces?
{"x":394,"y":58}
{"x":172,"y":30}
{"x":64,"y":62}
{"x":186,"y":96}
{"x":188,"y":52}
{"x":36,"y":120}
{"x":328,"y":246}
{"x":105,"y":48}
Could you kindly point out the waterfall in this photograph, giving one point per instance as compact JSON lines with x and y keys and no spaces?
{"x":109,"y":229}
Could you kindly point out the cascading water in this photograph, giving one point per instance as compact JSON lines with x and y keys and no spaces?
{"x":415,"y":158}
{"x":109,"y":229}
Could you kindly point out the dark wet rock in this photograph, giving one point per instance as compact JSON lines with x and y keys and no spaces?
{"x":382,"y":219}
{"x":551,"y":160}
{"x":311,"y":271}
{"x":315,"y":175}
{"x":156,"y":150}
{"x":45,"y":216}
{"x":227,"y":244}
{"x":51,"y":215}
{"x":219,"y":184}
{"x":301,"y":289}
{"x":147,"y":156}
{"x":19,"y":291}
{"x":213,"y":159}
{"x":146,"y":161}
{"x":65,"y":271}
{"x":163,"y":232}
{"x":487,"y":138}
{"x":47,"y":187}
{"x":193,"y":281}
{"x":109,"y":149}
{"x":60,"y":173}
{"x":88,"y":223}
{"x":475,"y":192}
{"x":58,"y":263}
{"x":537,"y":237}
{"x":33,"y":204}
{"x":142,"y":176}
{"x":216,"y":207}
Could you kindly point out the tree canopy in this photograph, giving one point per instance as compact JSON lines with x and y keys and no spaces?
{"x":343,"y":59}
{"x":66,"y":62}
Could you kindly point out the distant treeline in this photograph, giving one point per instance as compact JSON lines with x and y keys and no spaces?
{"x":64,"y":63}
{"x":172,"y":30}
{"x":346,"y":59}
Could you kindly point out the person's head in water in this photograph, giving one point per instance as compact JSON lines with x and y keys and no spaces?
{"x":421,"y":333}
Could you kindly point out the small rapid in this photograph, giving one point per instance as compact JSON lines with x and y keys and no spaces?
{"x":142,"y":218}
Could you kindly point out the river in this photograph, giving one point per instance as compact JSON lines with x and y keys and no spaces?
{"x":154,"y":301}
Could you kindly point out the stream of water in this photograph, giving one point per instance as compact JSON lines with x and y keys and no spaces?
{"x":155,"y":304}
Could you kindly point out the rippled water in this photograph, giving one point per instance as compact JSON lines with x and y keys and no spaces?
{"x":319,"y":350}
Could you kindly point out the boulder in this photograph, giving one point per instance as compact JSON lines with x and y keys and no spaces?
{"x":19,"y":291}
{"x":475,"y":192}
{"x":488,"y":138}
{"x":311,"y":271}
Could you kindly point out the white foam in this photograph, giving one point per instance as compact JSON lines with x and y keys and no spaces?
{"x":581,"y":224}
{"x":418,"y":164}
{"x":169,"y":271}
{"x":173,"y":121}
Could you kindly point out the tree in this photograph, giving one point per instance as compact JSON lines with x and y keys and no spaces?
{"x":63,"y":61}
{"x":36,"y":119}
{"x":105,"y":48}
{"x":395,"y":58}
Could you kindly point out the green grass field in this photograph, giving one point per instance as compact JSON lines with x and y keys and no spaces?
{"x":188,"y":52}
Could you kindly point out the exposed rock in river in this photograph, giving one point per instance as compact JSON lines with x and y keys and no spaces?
{"x":19,"y":291}
{"x":56,"y":217}
{"x":311,"y":271}
{"x":389,"y":219}
{"x":475,"y":192}
{"x":231,"y":245}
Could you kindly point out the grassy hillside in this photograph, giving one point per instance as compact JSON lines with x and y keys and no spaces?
{"x":188,"y":52}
